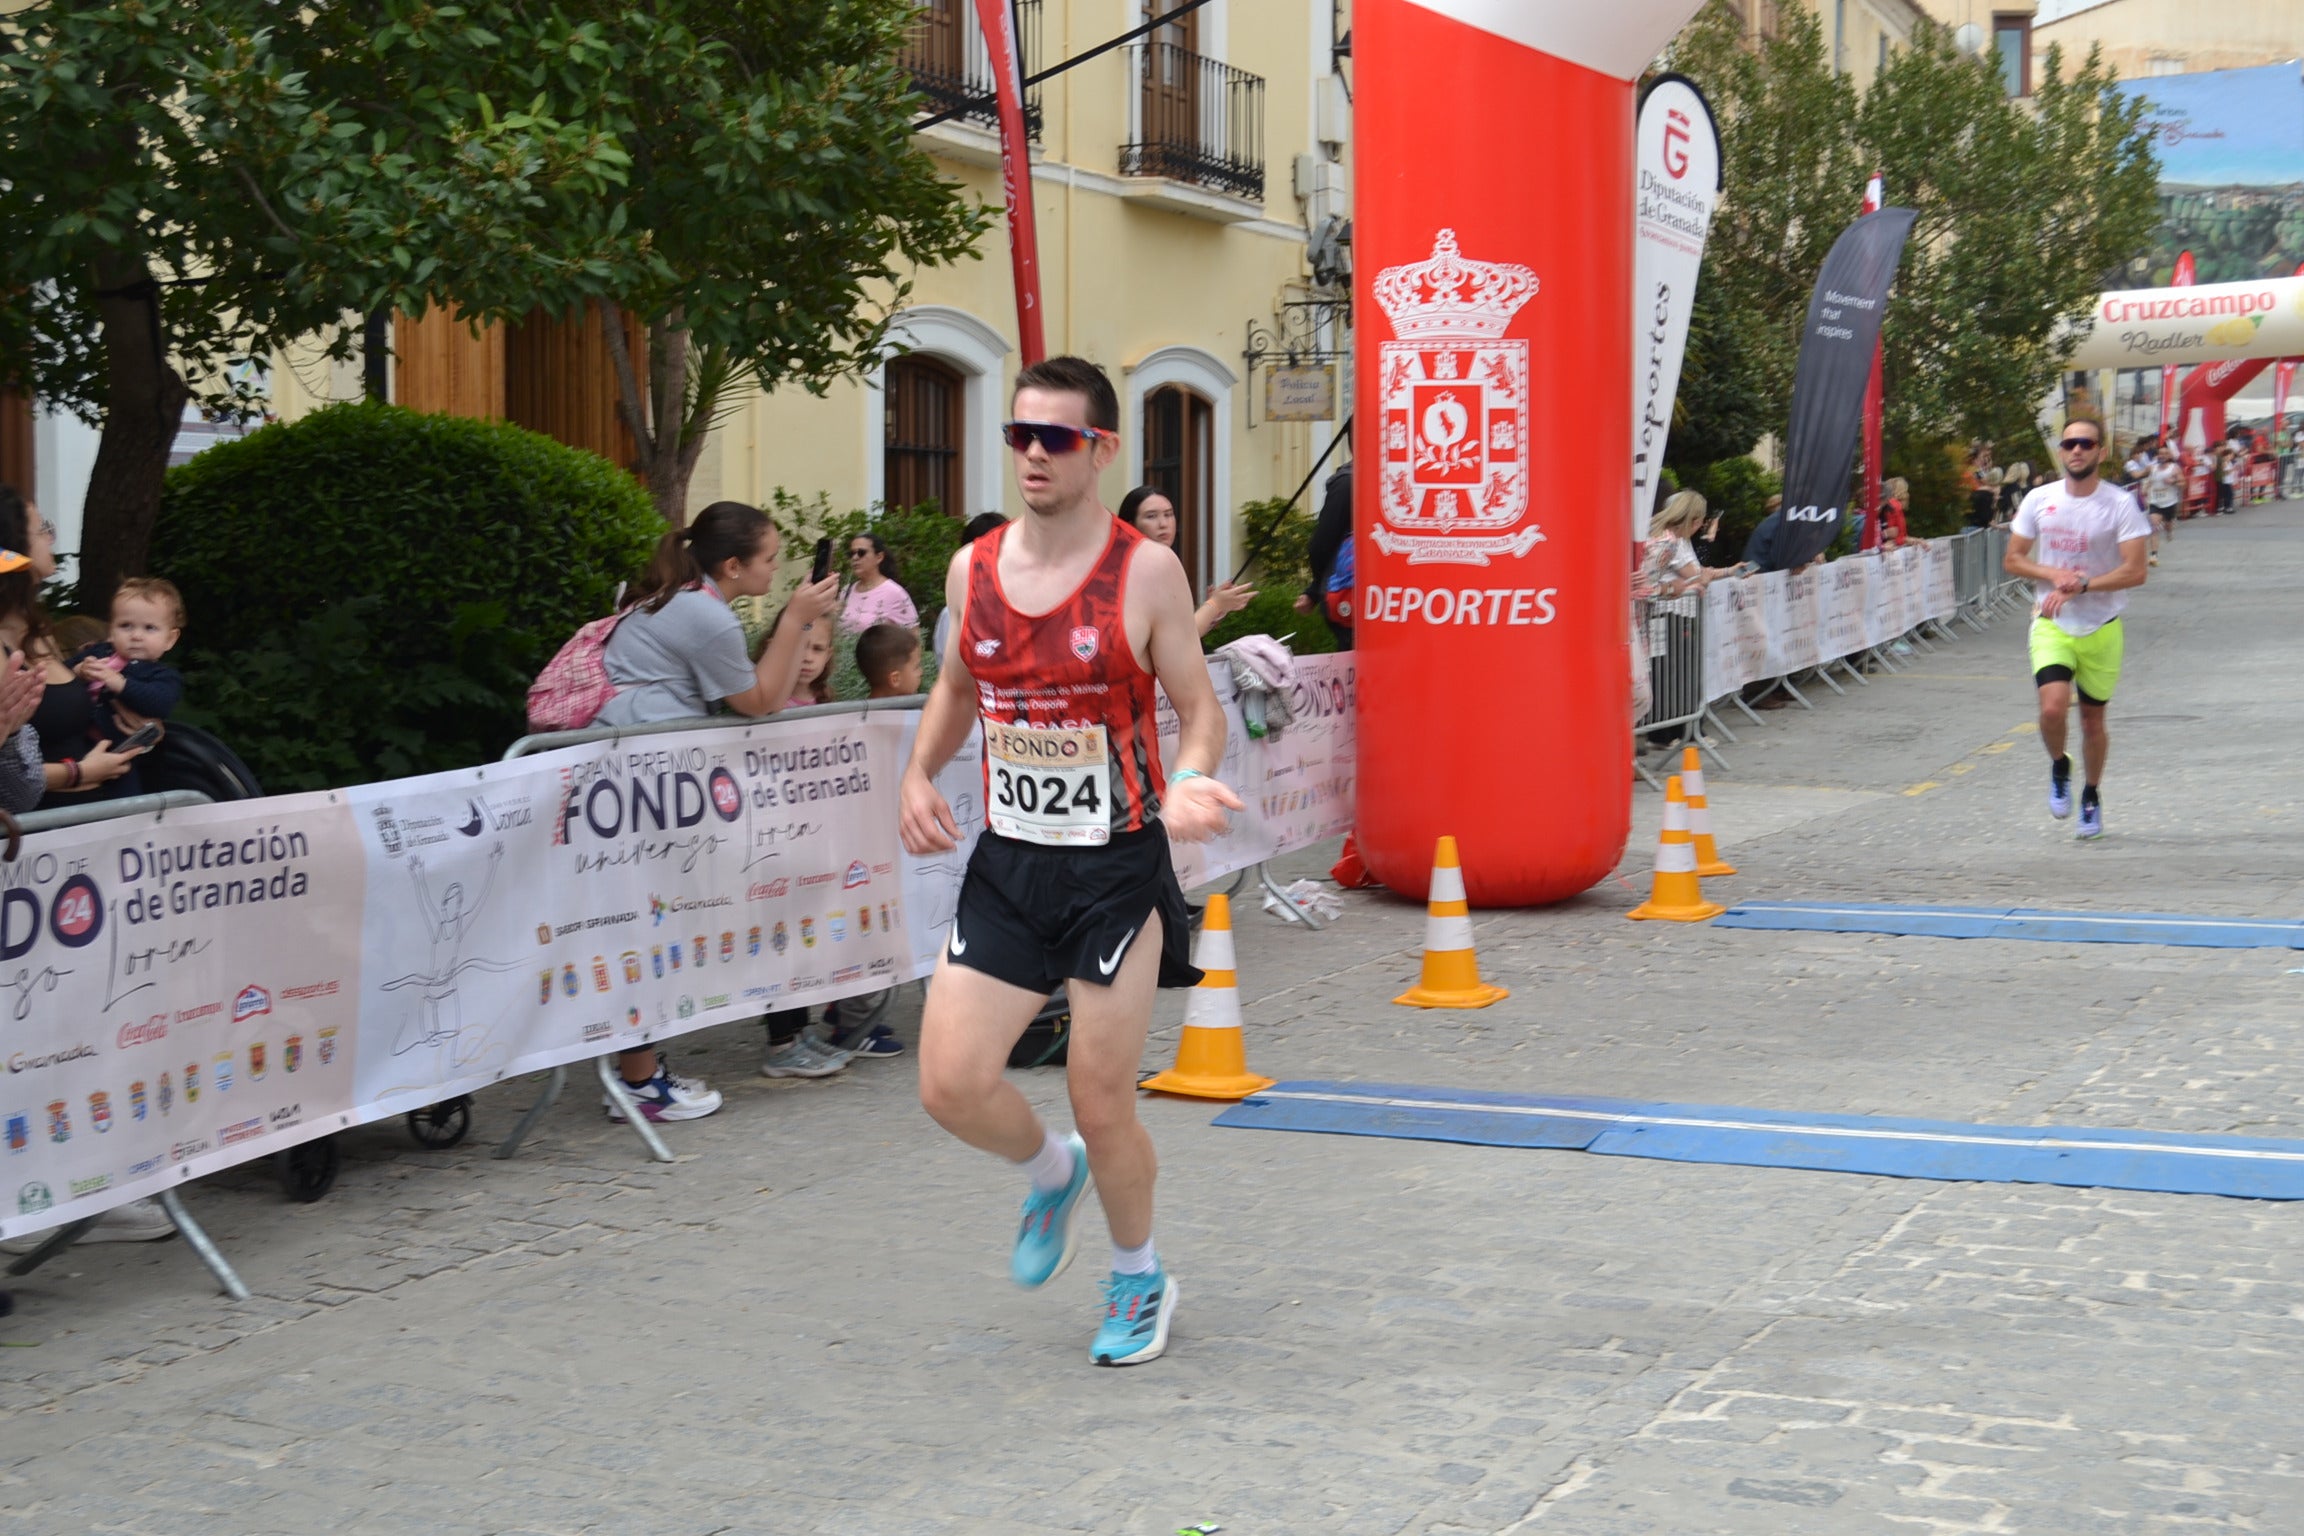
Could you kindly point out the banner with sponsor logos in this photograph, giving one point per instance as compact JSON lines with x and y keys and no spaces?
{"x":180,"y":993}
{"x":1776,"y":623}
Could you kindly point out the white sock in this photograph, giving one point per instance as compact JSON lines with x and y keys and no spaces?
{"x":1051,"y":1167}
{"x":1134,"y":1261}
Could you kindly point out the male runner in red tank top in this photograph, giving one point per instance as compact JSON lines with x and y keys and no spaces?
{"x":1065,"y":618}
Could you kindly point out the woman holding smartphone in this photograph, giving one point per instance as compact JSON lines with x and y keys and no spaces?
{"x":75,"y":768}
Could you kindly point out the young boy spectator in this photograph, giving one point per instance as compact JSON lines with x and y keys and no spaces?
{"x":889,"y":657}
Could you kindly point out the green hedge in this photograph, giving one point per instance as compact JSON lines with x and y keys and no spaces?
{"x":370,"y":590}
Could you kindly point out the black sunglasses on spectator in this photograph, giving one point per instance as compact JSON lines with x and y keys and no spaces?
{"x":1051,"y":435}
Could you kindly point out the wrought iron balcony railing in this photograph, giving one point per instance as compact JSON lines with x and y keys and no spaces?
{"x":1197,"y":120}
{"x":952,"y":67}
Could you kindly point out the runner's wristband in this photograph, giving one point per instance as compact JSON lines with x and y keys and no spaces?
{"x":1181,"y":774}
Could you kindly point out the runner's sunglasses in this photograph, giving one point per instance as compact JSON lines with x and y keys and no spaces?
{"x":2070,"y":443}
{"x":1053,"y":436}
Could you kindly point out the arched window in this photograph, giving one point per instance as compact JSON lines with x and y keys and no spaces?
{"x":1180,"y":459}
{"x":925,"y":414}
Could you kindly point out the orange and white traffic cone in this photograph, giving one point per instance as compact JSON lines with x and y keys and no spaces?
{"x":1211,"y":1059}
{"x":1708,"y":860}
{"x":1676,"y":896}
{"x":1451,"y":970}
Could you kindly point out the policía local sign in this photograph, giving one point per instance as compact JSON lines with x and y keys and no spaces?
{"x":1301,"y":392}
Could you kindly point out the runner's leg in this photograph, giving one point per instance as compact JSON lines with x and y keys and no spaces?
{"x":967,"y":1029}
{"x":2055,"y":708}
{"x":1106,"y":1053}
{"x":2095,"y":743}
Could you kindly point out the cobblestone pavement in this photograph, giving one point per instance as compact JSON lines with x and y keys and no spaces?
{"x":805,"y":1325}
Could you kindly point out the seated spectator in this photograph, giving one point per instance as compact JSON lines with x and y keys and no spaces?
{"x":680,"y":651}
{"x":1148,"y":510}
{"x":889,"y":657}
{"x":877,"y":597}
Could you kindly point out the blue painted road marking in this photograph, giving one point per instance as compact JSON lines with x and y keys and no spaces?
{"x":2189,"y":930}
{"x":2081,"y":1157}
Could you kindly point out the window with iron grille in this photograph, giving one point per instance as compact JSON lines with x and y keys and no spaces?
{"x":1180,"y":463}
{"x":925,"y":413}
{"x":1193,"y":118}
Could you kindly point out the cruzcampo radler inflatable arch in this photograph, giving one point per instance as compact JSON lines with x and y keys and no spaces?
{"x":1492,"y":248}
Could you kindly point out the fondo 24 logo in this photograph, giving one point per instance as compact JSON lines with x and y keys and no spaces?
{"x":48,"y":896}
{"x":667,"y":790}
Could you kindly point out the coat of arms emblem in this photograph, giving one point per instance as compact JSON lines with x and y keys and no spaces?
{"x":1084,"y":642}
{"x":1455,"y":394}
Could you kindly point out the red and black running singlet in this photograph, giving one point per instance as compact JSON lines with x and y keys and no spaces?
{"x":1057,"y":690}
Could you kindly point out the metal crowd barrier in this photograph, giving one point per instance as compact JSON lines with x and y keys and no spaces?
{"x":1674,"y":631}
{"x":170,"y":1200}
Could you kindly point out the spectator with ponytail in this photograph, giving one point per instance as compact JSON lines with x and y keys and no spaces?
{"x":679,"y":651}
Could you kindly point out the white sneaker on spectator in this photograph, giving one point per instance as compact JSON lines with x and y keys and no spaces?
{"x":801,"y":1057}
{"x":139,"y":1221}
{"x":663,"y":1097}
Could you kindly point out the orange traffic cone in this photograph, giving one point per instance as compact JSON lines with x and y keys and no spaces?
{"x":1451,"y":970}
{"x":1676,"y":897}
{"x":1211,"y":1060}
{"x":1708,"y":860}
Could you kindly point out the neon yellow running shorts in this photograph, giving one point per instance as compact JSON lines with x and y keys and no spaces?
{"x":2093,"y":659}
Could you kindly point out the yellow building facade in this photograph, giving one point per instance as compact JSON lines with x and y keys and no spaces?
{"x":1179,"y":184}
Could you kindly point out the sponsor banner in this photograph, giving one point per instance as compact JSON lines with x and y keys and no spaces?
{"x":1676,"y":155}
{"x":189,"y":991}
{"x":2262,"y":318}
{"x":1844,"y":315}
{"x":1768,"y":625}
{"x":180,"y":994}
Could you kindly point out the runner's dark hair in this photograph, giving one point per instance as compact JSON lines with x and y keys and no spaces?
{"x":723,"y":531}
{"x":1077,"y":376}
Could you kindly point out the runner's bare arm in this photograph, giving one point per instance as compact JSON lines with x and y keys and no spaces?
{"x":2019,"y":562}
{"x":1197,"y":807}
{"x":926,"y":823}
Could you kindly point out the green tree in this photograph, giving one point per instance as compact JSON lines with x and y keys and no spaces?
{"x":180,"y":199}
{"x":777,"y":198}
{"x":191,"y":187}
{"x":2025,"y":209}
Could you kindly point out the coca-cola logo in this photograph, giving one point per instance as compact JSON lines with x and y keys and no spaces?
{"x":152,"y":1029}
{"x":768,"y":890}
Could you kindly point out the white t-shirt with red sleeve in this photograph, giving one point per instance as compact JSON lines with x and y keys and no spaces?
{"x":2084,"y":534}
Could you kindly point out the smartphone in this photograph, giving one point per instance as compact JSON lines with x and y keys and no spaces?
{"x":145,"y":735}
{"x":823,"y":565}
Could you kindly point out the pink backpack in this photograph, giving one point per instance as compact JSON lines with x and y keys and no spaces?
{"x":573,"y":688}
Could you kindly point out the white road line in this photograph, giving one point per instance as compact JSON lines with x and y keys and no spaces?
{"x":1780,"y":1128}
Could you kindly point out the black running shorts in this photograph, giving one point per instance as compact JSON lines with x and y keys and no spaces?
{"x":1036,"y":917}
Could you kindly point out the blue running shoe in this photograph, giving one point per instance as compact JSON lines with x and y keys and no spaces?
{"x":1136,"y":1313}
{"x":2060,"y":788}
{"x":1050,"y":1232}
{"x":2091,"y":818}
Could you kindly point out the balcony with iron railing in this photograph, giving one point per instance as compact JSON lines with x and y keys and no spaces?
{"x":1195,"y":120}
{"x":952,"y":67}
